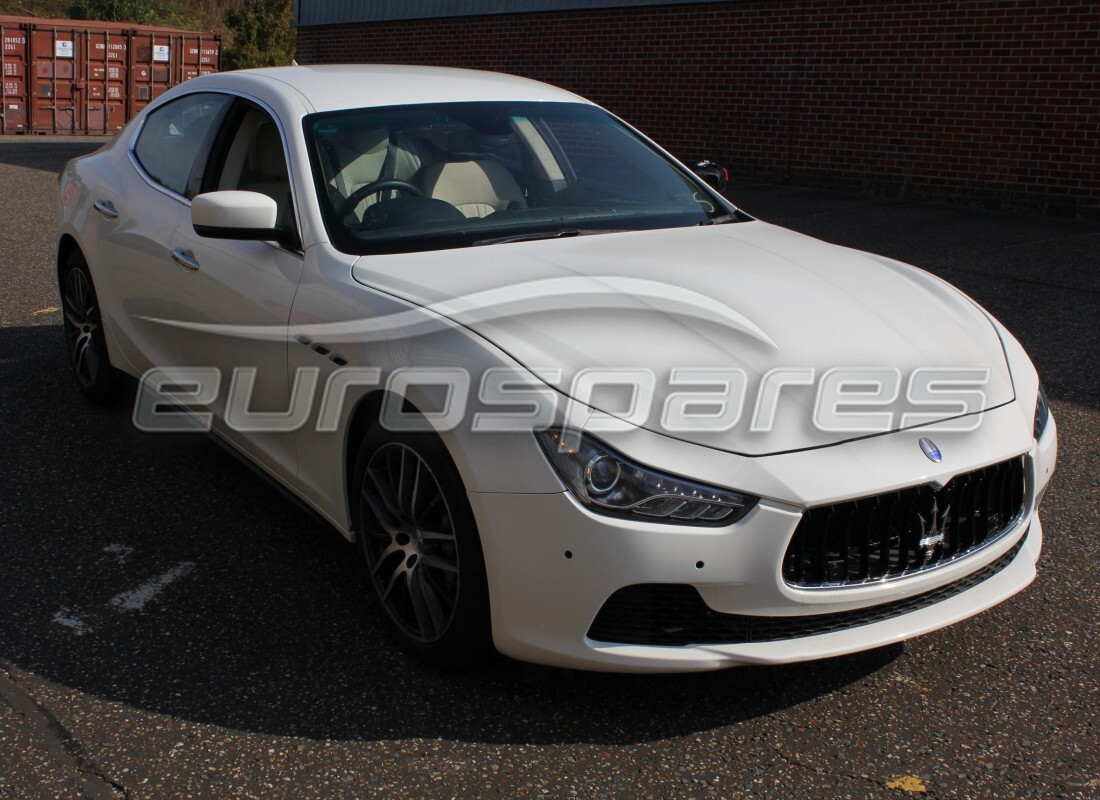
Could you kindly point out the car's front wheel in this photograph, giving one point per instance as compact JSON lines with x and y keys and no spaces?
{"x":418,"y":539}
{"x":83,"y":327}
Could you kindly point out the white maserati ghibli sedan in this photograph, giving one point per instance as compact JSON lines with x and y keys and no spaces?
{"x":570,"y":403}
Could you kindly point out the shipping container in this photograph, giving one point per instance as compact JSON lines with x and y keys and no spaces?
{"x":78,"y":76}
{"x":13,"y":118}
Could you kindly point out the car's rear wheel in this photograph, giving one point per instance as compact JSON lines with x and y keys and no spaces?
{"x":419,"y":541}
{"x":83,"y":327}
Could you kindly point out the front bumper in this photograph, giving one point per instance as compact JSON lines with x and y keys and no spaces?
{"x":545,"y":605}
{"x":552,"y":565}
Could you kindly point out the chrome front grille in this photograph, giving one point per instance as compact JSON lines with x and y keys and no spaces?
{"x":897,"y":534}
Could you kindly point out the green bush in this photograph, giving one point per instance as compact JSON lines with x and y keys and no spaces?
{"x":142,"y":12}
{"x":263,"y":34}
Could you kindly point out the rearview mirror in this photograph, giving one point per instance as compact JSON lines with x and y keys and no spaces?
{"x":717,"y":176}
{"x":239,"y":215}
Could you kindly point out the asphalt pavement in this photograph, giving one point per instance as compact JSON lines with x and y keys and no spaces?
{"x":172,"y":627}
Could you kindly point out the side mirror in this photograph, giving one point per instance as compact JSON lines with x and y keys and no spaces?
{"x":239,"y":215}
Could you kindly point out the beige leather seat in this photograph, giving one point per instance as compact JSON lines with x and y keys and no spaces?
{"x":361,"y":155}
{"x":267,"y":170}
{"x":476,"y":188}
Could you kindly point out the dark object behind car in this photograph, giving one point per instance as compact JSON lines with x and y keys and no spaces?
{"x":717,"y":176}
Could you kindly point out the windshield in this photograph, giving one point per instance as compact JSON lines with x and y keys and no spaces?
{"x":424,"y":177}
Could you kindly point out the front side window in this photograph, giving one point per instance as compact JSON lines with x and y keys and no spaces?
{"x":253,"y":160}
{"x":174,"y":135}
{"x":423,"y":177}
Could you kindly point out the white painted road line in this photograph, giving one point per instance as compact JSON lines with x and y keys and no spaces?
{"x":72,"y":622}
{"x":136,"y":599}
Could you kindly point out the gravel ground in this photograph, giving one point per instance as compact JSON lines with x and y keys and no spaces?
{"x":261,"y":670}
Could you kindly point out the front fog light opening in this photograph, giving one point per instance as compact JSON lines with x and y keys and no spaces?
{"x":608,"y":482}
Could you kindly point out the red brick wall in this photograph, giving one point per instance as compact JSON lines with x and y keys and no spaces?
{"x":993,"y":100}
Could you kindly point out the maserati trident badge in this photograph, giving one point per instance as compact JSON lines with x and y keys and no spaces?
{"x":930,"y":449}
{"x":933,"y":530}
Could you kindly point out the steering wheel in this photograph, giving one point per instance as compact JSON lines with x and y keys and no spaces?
{"x":355,"y":198}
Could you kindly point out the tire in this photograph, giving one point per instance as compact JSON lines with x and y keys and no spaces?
{"x":418,"y":540}
{"x":83,"y":327}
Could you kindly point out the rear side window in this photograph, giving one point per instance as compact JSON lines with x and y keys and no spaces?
{"x":174,"y":135}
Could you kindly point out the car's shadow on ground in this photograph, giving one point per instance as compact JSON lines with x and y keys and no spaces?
{"x":266,"y":626}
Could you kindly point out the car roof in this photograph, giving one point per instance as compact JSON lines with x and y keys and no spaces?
{"x":333,"y":87}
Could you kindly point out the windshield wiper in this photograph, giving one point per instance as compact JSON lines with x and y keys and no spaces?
{"x":530,"y":237}
{"x":722,"y":220}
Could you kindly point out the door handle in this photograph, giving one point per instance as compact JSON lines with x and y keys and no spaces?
{"x":105,"y":208}
{"x":185,"y":259}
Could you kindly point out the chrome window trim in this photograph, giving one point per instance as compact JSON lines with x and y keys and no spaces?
{"x":1027,"y":508}
{"x":145,"y":176}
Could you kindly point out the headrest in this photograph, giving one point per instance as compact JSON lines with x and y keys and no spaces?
{"x":268,"y":157}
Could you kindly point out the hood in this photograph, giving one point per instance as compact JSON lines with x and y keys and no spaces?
{"x":746,"y":298}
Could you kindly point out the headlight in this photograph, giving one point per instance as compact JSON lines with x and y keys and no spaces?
{"x":610,"y":483}
{"x":1042,"y":413}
